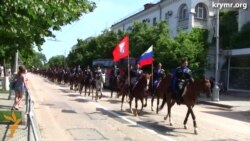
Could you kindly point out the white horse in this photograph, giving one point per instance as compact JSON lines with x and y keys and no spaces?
{"x":100,"y":80}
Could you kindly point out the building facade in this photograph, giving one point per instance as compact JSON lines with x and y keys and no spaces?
{"x":179,"y":14}
{"x":188,"y":14}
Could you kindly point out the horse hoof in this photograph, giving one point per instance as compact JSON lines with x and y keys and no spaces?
{"x":196,"y":131}
{"x":171,"y":124}
{"x":185,"y":127}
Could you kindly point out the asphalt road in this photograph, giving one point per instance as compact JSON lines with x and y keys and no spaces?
{"x":64,"y":115}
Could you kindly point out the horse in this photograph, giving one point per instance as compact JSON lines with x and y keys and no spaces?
{"x":139,"y":91}
{"x":88,"y":82}
{"x":161,"y":90}
{"x":99,"y":81}
{"x":189,"y":98}
{"x":113,"y":83}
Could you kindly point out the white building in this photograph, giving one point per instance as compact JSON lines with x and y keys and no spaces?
{"x":244,"y":16}
{"x":186,"y":14}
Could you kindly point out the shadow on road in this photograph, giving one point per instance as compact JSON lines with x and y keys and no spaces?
{"x":238,"y":115}
{"x":81,"y":100}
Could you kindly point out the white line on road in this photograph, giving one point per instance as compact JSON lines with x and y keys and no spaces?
{"x":128,"y":120}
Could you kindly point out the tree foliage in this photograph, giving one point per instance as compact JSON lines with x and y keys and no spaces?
{"x":228,"y":27}
{"x":33,"y":59}
{"x":25,"y":23}
{"x":56,"y":61}
{"x":241,"y":39}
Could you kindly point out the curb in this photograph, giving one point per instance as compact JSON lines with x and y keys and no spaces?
{"x":214,"y":104}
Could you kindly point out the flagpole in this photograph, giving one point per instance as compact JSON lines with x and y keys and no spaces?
{"x":128,"y":72}
{"x":152,"y":70}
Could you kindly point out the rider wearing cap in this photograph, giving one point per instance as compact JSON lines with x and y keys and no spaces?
{"x":181,"y":77}
{"x":158,"y":75}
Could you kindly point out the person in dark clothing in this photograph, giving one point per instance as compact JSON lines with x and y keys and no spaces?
{"x":181,"y":77}
{"x":158,"y":75}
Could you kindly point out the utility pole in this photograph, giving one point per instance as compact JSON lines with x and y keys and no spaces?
{"x":216,"y":89}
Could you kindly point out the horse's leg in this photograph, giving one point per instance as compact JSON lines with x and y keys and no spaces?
{"x":194,"y":120}
{"x":146,"y":99}
{"x":96,"y":94}
{"x":157,"y":105}
{"x":152,"y":103}
{"x":90,"y":89}
{"x":123,"y":95}
{"x":130,"y":103}
{"x":80,"y":90}
{"x":170,"y":105}
{"x":85,"y":87}
{"x":101,"y":86}
{"x":141,"y":105}
{"x":186,"y":118}
{"x":111,"y":94}
{"x":136,"y":106}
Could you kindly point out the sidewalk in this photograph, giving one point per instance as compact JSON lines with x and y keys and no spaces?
{"x":21,"y":132}
{"x":233,"y":100}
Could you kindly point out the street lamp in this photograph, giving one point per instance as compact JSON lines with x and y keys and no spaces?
{"x":216,"y":89}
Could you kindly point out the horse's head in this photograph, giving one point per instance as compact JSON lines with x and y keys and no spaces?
{"x":145,"y":79}
{"x":205,"y":86}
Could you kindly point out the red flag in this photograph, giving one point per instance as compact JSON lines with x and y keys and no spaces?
{"x":121,"y":50}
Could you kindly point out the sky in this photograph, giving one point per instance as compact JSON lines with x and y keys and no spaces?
{"x":107,"y":13}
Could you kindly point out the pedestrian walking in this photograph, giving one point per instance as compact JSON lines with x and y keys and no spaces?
{"x":20,"y":88}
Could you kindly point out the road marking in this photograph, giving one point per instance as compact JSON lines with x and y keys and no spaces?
{"x":128,"y":120}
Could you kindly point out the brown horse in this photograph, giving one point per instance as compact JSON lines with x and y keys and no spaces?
{"x":139,"y":91}
{"x":189,"y":99}
{"x":161,"y":91}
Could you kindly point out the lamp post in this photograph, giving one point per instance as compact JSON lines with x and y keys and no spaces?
{"x":216,"y":88}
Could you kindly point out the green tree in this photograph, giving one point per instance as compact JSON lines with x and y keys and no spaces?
{"x":25,"y":23}
{"x":57,"y":61}
{"x":228,"y":27}
{"x":33,"y":59}
{"x":241,"y":39}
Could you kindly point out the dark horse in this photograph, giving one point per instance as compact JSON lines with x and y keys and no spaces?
{"x":113,"y":83}
{"x":88,"y":82}
{"x":139,"y":91}
{"x":161,"y":90}
{"x":189,"y":98}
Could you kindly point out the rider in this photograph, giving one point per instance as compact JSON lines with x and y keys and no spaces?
{"x":158,"y":75}
{"x":138,"y":71}
{"x":135,"y":74}
{"x":78,"y":69}
{"x":114,"y":72}
{"x":181,"y":77}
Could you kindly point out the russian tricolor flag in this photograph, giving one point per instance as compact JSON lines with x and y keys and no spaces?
{"x":146,"y":58}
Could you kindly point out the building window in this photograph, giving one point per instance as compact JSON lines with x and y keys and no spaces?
{"x":200,"y":11}
{"x":154,"y":21}
{"x":146,"y":20}
{"x":183,"y":12}
{"x":129,"y":29}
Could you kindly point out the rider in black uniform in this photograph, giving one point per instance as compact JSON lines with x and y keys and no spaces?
{"x":181,"y":77}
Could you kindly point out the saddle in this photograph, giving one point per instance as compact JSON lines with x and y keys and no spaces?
{"x":180,"y":90}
